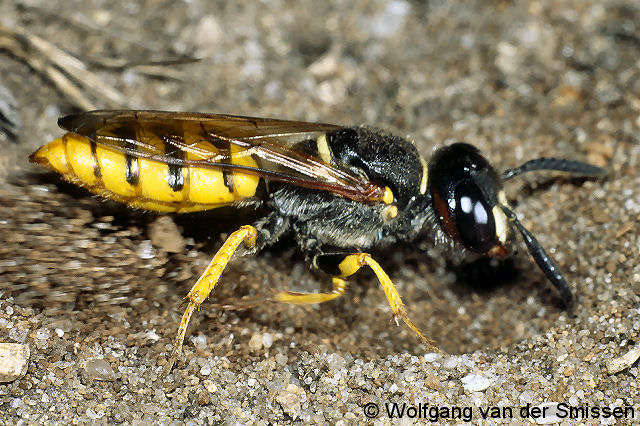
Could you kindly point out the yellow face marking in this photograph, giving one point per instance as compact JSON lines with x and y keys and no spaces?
{"x":425,"y":174}
{"x":389,"y":212}
{"x":502,"y":224}
{"x":323,"y":149}
{"x":387,"y":197}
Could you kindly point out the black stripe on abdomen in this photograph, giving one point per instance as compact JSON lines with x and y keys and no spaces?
{"x":227,"y":179}
{"x":224,"y":147}
{"x":175,"y":179}
{"x":94,"y":155}
{"x":132,"y":173}
{"x":132,"y":170}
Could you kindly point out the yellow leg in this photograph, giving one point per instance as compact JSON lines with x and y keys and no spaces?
{"x":349,"y":266}
{"x":352,"y":263}
{"x":208,"y":280}
{"x":339,"y":287}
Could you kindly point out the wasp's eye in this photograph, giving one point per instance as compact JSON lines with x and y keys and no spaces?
{"x":460,"y":181}
{"x":472,"y":217}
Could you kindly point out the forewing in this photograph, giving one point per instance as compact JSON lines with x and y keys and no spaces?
{"x":253,"y":145}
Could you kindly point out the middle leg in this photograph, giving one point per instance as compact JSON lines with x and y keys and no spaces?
{"x":349,"y":265}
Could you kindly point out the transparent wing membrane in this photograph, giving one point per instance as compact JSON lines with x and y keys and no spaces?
{"x":223,"y":142}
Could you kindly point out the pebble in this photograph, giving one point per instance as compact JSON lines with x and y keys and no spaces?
{"x":616,"y":365}
{"x":145,"y":250}
{"x":14,"y":361}
{"x":99,"y":369}
{"x":256,"y":342}
{"x":204,"y":398}
{"x":551,"y":416}
{"x":431,"y":357}
{"x":210,"y":386}
{"x":475,"y":382}
{"x":280,"y":359}
{"x":94,"y":415}
{"x":451,"y":362}
{"x":267,"y":340}
{"x":165,"y":235}
{"x":205,"y":370}
{"x":291,"y":400}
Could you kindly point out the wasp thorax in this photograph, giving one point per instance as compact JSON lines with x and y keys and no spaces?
{"x":464,"y":189}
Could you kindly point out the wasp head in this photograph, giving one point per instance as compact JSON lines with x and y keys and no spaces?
{"x":467,"y":196}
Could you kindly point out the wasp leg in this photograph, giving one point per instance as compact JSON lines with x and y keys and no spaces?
{"x":339,"y":287}
{"x":349,"y":266}
{"x":207,"y":281}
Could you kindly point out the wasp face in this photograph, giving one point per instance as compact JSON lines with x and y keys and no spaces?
{"x":466,"y":193}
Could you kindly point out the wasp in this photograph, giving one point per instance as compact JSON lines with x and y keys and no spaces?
{"x":343,"y":192}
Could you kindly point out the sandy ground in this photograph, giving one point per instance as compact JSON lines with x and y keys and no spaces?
{"x":95,"y":293}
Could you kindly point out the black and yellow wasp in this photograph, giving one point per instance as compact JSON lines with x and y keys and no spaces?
{"x":342,"y":191}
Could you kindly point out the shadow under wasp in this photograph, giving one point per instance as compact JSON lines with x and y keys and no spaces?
{"x":341,"y":191}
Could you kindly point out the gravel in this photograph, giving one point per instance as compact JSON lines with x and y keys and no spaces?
{"x":14,"y":361}
{"x":94,"y":292}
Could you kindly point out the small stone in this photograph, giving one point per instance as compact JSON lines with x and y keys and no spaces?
{"x":94,"y":415}
{"x":281,"y":359}
{"x":601,"y":216}
{"x":616,"y":365}
{"x":431,"y":357}
{"x":255,"y":343}
{"x":551,"y":413}
{"x":432,"y":382}
{"x":210,"y":386}
{"x":200,"y":341}
{"x":267,"y":340}
{"x":145,"y":250}
{"x":291,"y":400}
{"x":99,"y":369}
{"x":335,"y":362}
{"x":204,"y":398}
{"x":451,"y":362}
{"x":527,"y":396}
{"x":165,"y":235}
{"x":475,"y":382}
{"x":206,"y":370}
{"x":14,"y":361}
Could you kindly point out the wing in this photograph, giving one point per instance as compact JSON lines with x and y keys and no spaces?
{"x":260,"y":146}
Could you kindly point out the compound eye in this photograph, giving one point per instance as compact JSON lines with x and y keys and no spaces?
{"x":473,"y":218}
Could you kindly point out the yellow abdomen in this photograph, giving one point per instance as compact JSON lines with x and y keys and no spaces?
{"x":144,"y":183}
